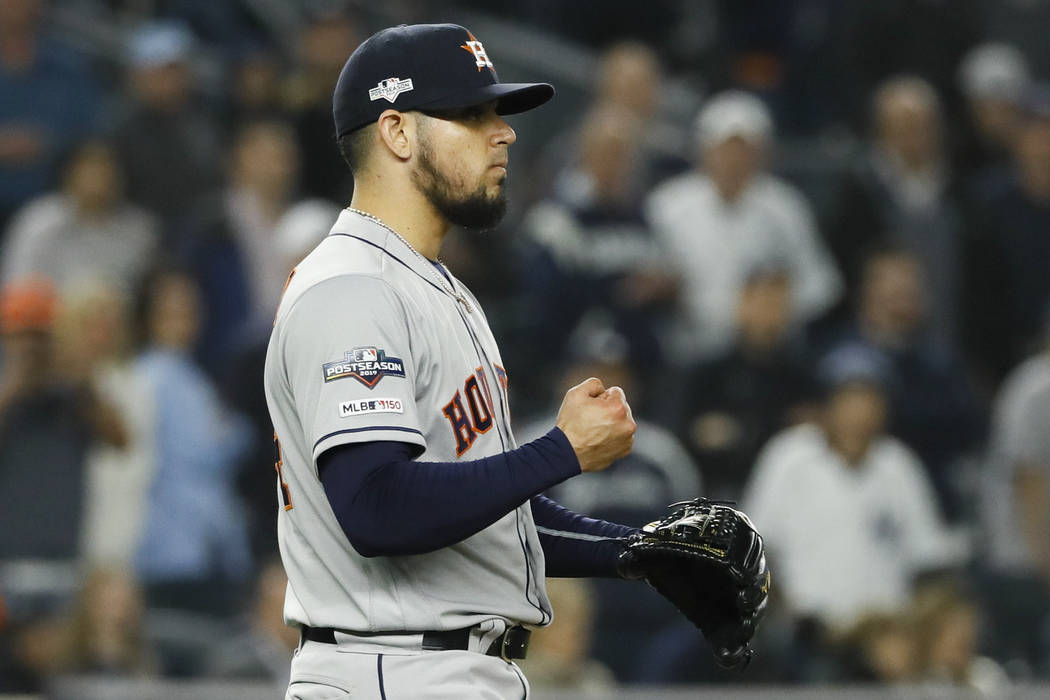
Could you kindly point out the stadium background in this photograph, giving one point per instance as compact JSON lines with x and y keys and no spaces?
{"x":162,"y":162}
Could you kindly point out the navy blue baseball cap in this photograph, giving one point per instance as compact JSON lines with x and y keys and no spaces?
{"x":424,"y":67}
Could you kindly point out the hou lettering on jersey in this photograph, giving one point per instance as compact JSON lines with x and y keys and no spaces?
{"x":365,"y":364}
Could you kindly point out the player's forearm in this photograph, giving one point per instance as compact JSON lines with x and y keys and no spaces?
{"x":389,"y":504}
{"x":575,"y":546}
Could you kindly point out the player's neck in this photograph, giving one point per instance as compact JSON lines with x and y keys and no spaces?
{"x":408,"y":213}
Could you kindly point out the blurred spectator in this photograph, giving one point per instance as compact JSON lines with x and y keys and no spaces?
{"x":632,"y":491}
{"x":635,"y":488}
{"x":590,"y":243}
{"x":218,"y":23}
{"x":1017,"y":513}
{"x":167,"y":142}
{"x":994,"y":78}
{"x":729,"y":406}
{"x":630,"y":76}
{"x":719,"y":223}
{"x":902,"y":188}
{"x":256,"y":92}
{"x":105,"y":634}
{"x":882,"y":648}
{"x":47,"y":426}
{"x":620,"y":19}
{"x":559,"y":654}
{"x":102,"y":635}
{"x":93,"y":339}
{"x":298,"y":232}
{"x":86,"y":230}
{"x":785,"y":52}
{"x":888,"y":37}
{"x":323,"y":45}
{"x":194,"y":554}
{"x":1008,"y":288}
{"x":231,"y":238}
{"x":948,"y":625}
{"x":50,"y":101}
{"x":862,"y":520}
{"x":931,"y":406}
{"x":630,"y":83}
{"x":1021,"y":23}
{"x":263,"y":649}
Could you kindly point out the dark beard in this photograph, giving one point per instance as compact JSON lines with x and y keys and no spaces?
{"x":476,"y":211}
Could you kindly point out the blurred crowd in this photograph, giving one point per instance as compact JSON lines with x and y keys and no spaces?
{"x":824,"y":286}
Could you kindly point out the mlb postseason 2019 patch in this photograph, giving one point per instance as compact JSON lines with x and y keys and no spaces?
{"x":389,"y":89}
{"x":359,"y":407}
{"x":367,"y":365}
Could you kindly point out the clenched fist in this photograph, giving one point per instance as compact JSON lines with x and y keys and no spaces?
{"x":598,"y":423}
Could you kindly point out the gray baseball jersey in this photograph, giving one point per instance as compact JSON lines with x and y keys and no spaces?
{"x":370,"y":343}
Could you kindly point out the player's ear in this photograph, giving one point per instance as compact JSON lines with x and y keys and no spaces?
{"x":396,"y":132}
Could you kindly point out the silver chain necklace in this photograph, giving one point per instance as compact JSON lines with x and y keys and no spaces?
{"x":443,"y":283}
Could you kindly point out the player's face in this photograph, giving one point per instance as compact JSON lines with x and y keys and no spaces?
{"x":462,"y":164}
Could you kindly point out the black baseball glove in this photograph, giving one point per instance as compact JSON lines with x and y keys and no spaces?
{"x":707,"y":559}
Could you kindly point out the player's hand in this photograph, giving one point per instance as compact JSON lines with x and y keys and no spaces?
{"x":598,"y":423}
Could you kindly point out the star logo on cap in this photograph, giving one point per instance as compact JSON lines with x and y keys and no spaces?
{"x":389,"y":89}
{"x":481,"y":59}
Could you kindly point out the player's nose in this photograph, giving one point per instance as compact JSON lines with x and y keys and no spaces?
{"x":504,"y":134}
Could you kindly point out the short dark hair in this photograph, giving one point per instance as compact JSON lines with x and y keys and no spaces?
{"x":354,"y":147}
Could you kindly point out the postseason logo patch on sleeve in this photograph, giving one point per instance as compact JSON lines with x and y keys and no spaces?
{"x":366,"y":364}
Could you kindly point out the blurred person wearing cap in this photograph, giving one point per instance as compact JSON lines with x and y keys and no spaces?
{"x":1007,"y":284}
{"x":51,"y":99}
{"x":933,"y":404}
{"x":729,"y":215}
{"x":848,"y":513}
{"x":167,"y":140}
{"x":901,"y":187}
{"x":86,"y":230}
{"x":411,"y":524}
{"x":994,"y":78}
{"x":47,"y":425}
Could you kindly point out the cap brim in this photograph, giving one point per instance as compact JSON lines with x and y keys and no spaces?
{"x":512,"y":98}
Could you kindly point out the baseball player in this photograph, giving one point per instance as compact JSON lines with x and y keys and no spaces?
{"x":410,"y":527}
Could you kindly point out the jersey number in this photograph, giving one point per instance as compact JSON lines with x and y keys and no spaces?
{"x":286,"y":496}
{"x":471,"y":416}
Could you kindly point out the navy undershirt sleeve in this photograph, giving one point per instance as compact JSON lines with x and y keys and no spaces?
{"x":390,"y":504}
{"x":574,"y":545}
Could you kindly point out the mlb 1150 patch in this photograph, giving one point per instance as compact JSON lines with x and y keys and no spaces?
{"x":357,"y":407}
{"x":365,"y":364}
